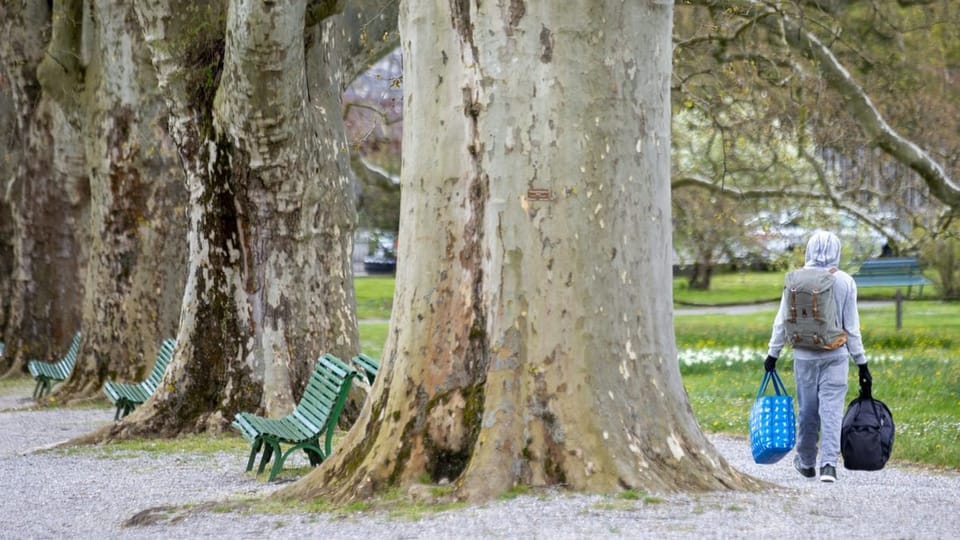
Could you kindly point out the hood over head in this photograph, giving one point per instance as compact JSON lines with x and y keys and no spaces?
{"x":823,"y":250}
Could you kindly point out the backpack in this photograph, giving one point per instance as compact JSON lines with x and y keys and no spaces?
{"x":866,"y":436}
{"x":812,"y":321}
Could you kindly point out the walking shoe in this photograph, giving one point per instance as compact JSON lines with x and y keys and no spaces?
{"x":806,"y":472}
{"x":828,"y":473}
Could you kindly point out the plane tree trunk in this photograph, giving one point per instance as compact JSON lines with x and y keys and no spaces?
{"x":45,"y":199}
{"x":137,"y":245}
{"x":269,"y":281}
{"x":532,"y":335}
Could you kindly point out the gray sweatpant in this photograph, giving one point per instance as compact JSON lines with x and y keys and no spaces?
{"x":821,"y":392}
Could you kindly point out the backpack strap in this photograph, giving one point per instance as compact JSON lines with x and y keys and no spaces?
{"x":816,"y":294}
{"x":793,"y":305}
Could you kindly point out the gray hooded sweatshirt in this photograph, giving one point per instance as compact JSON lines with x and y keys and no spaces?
{"x":823,"y":251}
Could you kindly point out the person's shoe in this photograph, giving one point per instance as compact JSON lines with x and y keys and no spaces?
{"x":806,"y":472}
{"x":828,"y":473}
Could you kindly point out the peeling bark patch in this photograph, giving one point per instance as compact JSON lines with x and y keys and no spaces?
{"x":460,"y":15}
{"x":546,"y":45}
{"x":675,"y":448}
{"x":517,"y":10}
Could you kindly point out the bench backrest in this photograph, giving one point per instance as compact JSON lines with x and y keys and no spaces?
{"x":889,"y":266}
{"x":65,"y":365}
{"x":164,"y":355}
{"x":369,"y":366}
{"x":325,"y":395}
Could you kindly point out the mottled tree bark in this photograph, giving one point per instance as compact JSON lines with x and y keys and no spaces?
{"x":46,"y":197}
{"x":532,"y":335}
{"x":269,"y":283}
{"x":137,"y":262}
{"x":8,"y":143}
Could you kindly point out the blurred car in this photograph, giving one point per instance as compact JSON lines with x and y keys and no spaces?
{"x":383,"y":259}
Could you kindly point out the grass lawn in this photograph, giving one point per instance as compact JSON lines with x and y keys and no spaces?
{"x":916,"y":369}
{"x":374,"y":296}
{"x":373,"y":334}
{"x":732,"y":288}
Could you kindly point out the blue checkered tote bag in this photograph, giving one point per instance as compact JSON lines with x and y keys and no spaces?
{"x":773,"y":428}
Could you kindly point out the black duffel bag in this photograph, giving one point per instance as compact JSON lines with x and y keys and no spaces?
{"x":866,"y":437}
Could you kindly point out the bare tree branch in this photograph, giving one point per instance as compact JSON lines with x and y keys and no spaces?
{"x":941,"y":185}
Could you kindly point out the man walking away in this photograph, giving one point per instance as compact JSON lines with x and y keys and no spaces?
{"x":822,"y":335}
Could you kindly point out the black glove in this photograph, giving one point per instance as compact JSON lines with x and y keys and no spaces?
{"x":866,"y":382}
{"x":770,"y":363}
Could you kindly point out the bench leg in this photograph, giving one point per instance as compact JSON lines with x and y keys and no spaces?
{"x":268,"y":450}
{"x":278,"y":463}
{"x":43,"y":386}
{"x":116,"y":415}
{"x":312,"y":450}
{"x":277,"y":467}
{"x":255,"y":447}
{"x":315,"y":458}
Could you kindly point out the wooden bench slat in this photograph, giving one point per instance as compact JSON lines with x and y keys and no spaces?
{"x":369,"y":366}
{"x":321,"y":397}
{"x":316,"y":405}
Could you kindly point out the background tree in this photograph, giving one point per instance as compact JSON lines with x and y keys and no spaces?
{"x":837,"y":76}
{"x":373,"y":118}
{"x":44,"y":199}
{"x":942,"y":252}
{"x":253,"y":94}
{"x":7,"y":141}
{"x":106,"y":89}
{"x":532,"y":338}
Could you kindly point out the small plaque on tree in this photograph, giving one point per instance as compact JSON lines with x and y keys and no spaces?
{"x":539,"y":194}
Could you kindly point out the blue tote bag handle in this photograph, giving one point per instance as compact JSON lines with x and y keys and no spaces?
{"x":778,"y":385}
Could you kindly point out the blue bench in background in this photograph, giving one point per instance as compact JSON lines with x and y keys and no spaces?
{"x":891,"y":272}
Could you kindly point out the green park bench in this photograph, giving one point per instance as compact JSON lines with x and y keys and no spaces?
{"x":126,"y":396}
{"x":316,"y":414}
{"x":49,"y":373}
{"x":369,"y":366}
{"x":1,"y":348}
{"x":891,"y":272}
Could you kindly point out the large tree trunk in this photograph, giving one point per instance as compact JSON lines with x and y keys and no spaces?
{"x":138,"y":223}
{"x":269,"y":282}
{"x":47,"y":201}
{"x":532,"y":335}
{"x":8,"y":138}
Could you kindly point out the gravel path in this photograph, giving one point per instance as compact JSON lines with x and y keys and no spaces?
{"x":57,"y":494}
